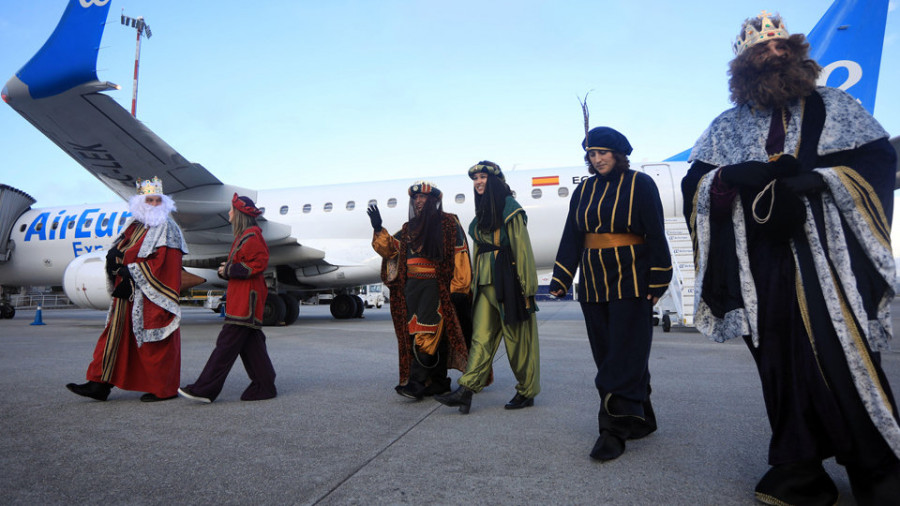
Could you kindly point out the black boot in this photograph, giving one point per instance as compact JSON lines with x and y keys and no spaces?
{"x":519,"y":401}
{"x":419,"y":369}
{"x":615,"y":419}
{"x":608,"y":447}
{"x":412,"y":390}
{"x":797,"y":483}
{"x":646,"y":426}
{"x":461,"y":397}
{"x":875,"y":486}
{"x":92,"y":389}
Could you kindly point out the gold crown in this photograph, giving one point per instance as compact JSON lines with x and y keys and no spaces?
{"x":151,"y":186}
{"x":771,"y":27}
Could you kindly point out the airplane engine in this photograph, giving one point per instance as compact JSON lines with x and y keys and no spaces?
{"x":84,"y":281}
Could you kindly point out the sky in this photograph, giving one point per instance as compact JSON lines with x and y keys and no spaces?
{"x":277,"y":94}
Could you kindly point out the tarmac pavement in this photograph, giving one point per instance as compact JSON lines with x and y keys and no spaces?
{"x":338,"y":433}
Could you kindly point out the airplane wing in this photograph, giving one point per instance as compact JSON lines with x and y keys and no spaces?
{"x":59,"y":93}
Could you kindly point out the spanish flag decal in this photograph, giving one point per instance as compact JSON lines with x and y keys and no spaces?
{"x":545,"y":181}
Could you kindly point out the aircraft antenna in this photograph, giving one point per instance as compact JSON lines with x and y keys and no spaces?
{"x":142,"y":28}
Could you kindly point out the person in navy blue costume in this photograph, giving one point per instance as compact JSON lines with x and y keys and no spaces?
{"x":615,"y":232}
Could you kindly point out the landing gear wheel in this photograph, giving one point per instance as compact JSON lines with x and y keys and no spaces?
{"x":273,"y":312}
{"x":666,"y":323}
{"x":343,"y":306}
{"x":7,"y":311}
{"x":360,"y":306}
{"x":291,"y":308}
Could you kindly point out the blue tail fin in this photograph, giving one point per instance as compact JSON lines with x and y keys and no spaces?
{"x":69,"y":57}
{"x":847,"y":42}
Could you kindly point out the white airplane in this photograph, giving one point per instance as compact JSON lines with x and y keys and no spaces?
{"x":319,"y":237}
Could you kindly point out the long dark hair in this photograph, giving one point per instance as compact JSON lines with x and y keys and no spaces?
{"x":424,"y":230}
{"x":489,"y":206}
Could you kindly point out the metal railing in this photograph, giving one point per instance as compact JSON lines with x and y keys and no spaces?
{"x":45,"y":300}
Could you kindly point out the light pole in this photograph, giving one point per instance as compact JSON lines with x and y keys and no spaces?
{"x":142,"y":28}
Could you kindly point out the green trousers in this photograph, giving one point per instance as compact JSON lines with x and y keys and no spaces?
{"x":521,"y":346}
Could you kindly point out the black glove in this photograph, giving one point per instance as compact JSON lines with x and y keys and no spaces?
{"x":809,"y":182}
{"x":111,"y":260}
{"x":123,"y":290}
{"x":124,"y":272}
{"x":754,"y":175}
{"x":374,"y":217}
{"x":785,"y":166}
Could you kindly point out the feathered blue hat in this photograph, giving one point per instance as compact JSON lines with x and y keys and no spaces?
{"x":606,"y":138}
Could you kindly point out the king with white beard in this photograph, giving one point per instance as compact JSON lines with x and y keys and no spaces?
{"x":140,"y":348}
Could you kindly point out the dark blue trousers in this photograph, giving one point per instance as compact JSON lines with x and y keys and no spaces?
{"x":250,"y":345}
{"x":620,"y":333}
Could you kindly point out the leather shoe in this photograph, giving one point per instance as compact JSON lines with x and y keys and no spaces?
{"x":92,"y":389}
{"x":519,"y":401}
{"x":412,"y":390}
{"x":608,"y":447}
{"x":154,"y":398}
{"x":188,"y":394}
{"x":461,"y":397}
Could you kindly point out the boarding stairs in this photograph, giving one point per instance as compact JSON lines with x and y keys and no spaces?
{"x":676,"y":307}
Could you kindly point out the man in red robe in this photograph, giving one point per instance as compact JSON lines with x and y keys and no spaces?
{"x":140,"y":348}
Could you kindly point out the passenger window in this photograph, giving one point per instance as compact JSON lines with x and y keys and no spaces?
{"x":327,"y":207}
{"x":24,"y":226}
{"x":55,"y":225}
{"x":283,"y":210}
{"x":460,"y":198}
{"x":351,"y":205}
{"x":373,"y":202}
{"x":392,"y":202}
{"x":104,"y":224}
{"x":262,"y":210}
{"x":121,"y":221}
{"x":72,"y":223}
{"x":563,"y":191}
{"x":307,"y":208}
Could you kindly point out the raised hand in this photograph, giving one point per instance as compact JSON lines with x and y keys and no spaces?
{"x":374,"y":217}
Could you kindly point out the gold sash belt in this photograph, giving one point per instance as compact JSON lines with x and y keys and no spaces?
{"x":421,"y":268}
{"x":601,"y":241}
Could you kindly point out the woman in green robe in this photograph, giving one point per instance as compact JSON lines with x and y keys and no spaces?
{"x":503,"y":286}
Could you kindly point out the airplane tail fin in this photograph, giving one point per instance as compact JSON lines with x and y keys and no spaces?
{"x":69,"y":57}
{"x":847,"y":43}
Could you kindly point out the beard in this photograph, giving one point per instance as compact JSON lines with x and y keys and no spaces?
{"x":150,"y":216}
{"x":772,"y":82}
